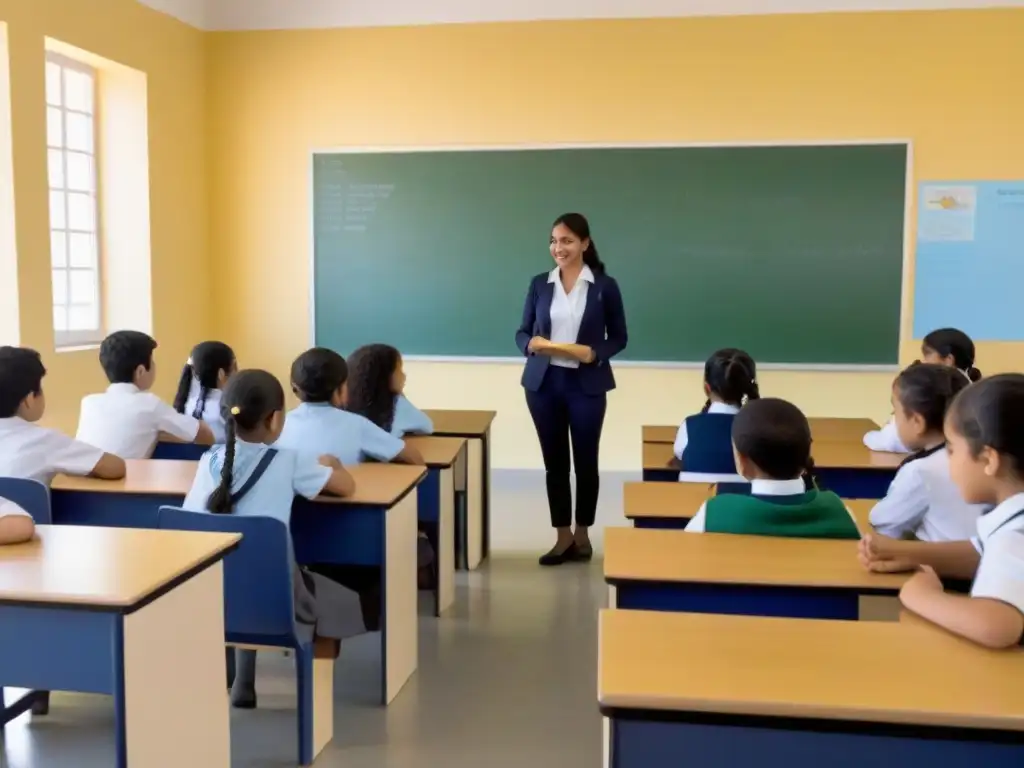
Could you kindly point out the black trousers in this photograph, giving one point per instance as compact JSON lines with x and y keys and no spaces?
{"x":563,"y":414}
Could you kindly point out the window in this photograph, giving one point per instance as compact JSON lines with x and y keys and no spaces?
{"x":74,"y":213}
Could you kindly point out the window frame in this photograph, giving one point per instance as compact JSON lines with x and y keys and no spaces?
{"x":76,"y":338}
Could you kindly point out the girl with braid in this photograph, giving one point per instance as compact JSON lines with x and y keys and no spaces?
{"x":202,"y":379}
{"x":246,"y":476}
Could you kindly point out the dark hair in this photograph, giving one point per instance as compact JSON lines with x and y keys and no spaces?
{"x":122,"y":352}
{"x":929,"y":389}
{"x":317,"y":373}
{"x":208,"y":358}
{"x":775,"y":435}
{"x":731,"y":375}
{"x":255,"y":395}
{"x":577,"y":224}
{"x":991,"y":413}
{"x":369,"y":390}
{"x":951,"y":342}
{"x":21,"y":375}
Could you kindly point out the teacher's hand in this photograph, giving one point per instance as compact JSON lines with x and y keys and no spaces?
{"x":538,"y":344}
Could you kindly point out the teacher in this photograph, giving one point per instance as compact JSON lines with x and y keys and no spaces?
{"x":573,"y":324}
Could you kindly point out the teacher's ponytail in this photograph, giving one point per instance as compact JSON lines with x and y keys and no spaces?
{"x":577,"y":223}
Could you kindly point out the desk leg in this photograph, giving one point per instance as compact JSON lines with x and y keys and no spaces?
{"x":399,"y":636}
{"x":171,"y":704}
{"x":446,"y":542}
{"x":477,"y":490}
{"x":485,"y":551}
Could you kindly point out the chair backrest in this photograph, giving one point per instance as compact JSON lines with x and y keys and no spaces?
{"x":179,"y":451}
{"x":258,"y":597}
{"x":30,"y":495}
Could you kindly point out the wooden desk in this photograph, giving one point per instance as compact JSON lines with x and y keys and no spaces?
{"x":682,"y":689}
{"x":437,"y":508}
{"x":473,"y":478}
{"x":377,"y":527}
{"x":847,"y":468}
{"x":672,"y":505}
{"x":822,"y":428}
{"x":135,"y":614}
{"x":751,"y":575}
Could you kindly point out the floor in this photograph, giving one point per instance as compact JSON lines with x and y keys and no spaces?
{"x":506,"y":679}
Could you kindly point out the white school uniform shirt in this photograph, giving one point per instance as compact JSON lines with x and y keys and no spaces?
{"x":682,"y":439}
{"x":885,"y":439}
{"x":757,"y":488}
{"x":1000,"y":541}
{"x":567,"y":312}
{"x":318,"y":429}
{"x":289,"y":475}
{"x":410,"y":420}
{"x":37,"y":453}
{"x":211,"y":410}
{"x":127,"y":422}
{"x":10,"y":509}
{"x":924,"y":501}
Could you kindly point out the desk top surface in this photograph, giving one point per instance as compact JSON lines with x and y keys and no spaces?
{"x":822,"y":428}
{"x":827,"y":454}
{"x":102,"y":567}
{"x":880,"y":672}
{"x":678,"y":501}
{"x":639,"y":554}
{"x":377,"y":484}
{"x":461,"y":423}
{"x":437,"y":451}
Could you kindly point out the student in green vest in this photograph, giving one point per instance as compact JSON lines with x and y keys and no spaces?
{"x":772,"y":445}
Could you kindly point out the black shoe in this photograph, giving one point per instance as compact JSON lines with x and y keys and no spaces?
{"x":584,"y":554}
{"x":557,"y":558}
{"x":41,"y":705}
{"x":243,"y":697}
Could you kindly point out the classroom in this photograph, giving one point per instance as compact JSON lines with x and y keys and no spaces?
{"x":279,"y":176}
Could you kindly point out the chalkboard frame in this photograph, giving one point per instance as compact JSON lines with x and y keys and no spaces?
{"x":909,"y":235}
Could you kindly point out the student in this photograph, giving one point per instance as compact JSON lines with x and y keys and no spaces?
{"x":202,"y":380}
{"x":245,"y":476}
{"x":36,"y":453}
{"x":922,"y":501}
{"x":16,"y":525}
{"x":320,"y":426}
{"x":376,"y":388}
{"x":127,"y":420}
{"x":772,"y":442}
{"x":946,"y":346}
{"x":28,"y":450}
{"x":985,"y":440}
{"x":704,"y":441}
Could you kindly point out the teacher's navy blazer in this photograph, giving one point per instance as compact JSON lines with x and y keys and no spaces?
{"x":603,"y":328}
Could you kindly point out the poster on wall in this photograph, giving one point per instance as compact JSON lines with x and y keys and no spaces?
{"x":969,"y":265}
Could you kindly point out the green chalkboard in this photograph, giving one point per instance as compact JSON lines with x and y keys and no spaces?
{"x":792,"y":253}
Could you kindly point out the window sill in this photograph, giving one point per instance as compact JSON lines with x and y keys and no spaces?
{"x":77,"y":348}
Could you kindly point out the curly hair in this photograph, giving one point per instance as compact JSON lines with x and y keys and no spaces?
{"x":369,"y":386}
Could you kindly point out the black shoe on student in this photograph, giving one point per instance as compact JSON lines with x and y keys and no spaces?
{"x":41,"y":705}
{"x":554,"y":557}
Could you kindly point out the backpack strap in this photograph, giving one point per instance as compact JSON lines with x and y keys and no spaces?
{"x":257,"y":473}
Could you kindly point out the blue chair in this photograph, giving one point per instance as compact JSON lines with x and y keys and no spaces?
{"x":259,"y":609}
{"x":179,"y":451}
{"x":30,"y":495}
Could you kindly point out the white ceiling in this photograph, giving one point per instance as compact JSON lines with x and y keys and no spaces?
{"x":306,"y":14}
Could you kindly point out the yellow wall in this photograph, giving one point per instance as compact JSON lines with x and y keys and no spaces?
{"x":173,"y":56}
{"x":949,"y":81}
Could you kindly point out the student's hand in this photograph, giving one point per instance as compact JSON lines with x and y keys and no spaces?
{"x":881,"y":554}
{"x":538,"y":344}
{"x":330,"y":461}
{"x":924,"y":582}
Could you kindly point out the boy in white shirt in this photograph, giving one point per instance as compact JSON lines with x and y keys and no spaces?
{"x":127,"y":419}
{"x":16,"y":525}
{"x":28,"y":450}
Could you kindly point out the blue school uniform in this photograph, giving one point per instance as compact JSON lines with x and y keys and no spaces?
{"x":410,"y":420}
{"x":704,"y":441}
{"x":318,"y":429}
